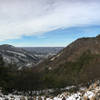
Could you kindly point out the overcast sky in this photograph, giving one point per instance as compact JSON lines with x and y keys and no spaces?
{"x":21,"y":19}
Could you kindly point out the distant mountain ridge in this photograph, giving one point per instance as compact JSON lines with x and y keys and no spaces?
{"x":43,"y":52}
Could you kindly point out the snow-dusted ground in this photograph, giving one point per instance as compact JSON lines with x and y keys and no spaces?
{"x":75,"y":96}
{"x":91,"y":93}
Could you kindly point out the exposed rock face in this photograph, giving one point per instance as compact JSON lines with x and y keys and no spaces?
{"x":18,"y":56}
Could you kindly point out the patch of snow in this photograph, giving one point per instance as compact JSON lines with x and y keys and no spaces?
{"x":16,"y":53}
{"x":89,"y":94}
{"x":55,"y":57}
{"x":52,"y":58}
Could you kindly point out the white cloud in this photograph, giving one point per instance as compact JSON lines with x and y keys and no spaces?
{"x":32,"y":17}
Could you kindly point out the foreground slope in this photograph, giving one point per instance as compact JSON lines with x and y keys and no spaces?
{"x":92,"y":92}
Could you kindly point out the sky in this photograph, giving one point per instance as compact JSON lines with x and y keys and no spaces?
{"x":50,"y":23}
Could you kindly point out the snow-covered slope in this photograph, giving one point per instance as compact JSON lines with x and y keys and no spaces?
{"x":18,"y":56}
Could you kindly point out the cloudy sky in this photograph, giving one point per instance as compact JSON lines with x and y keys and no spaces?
{"x":48,"y":22}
